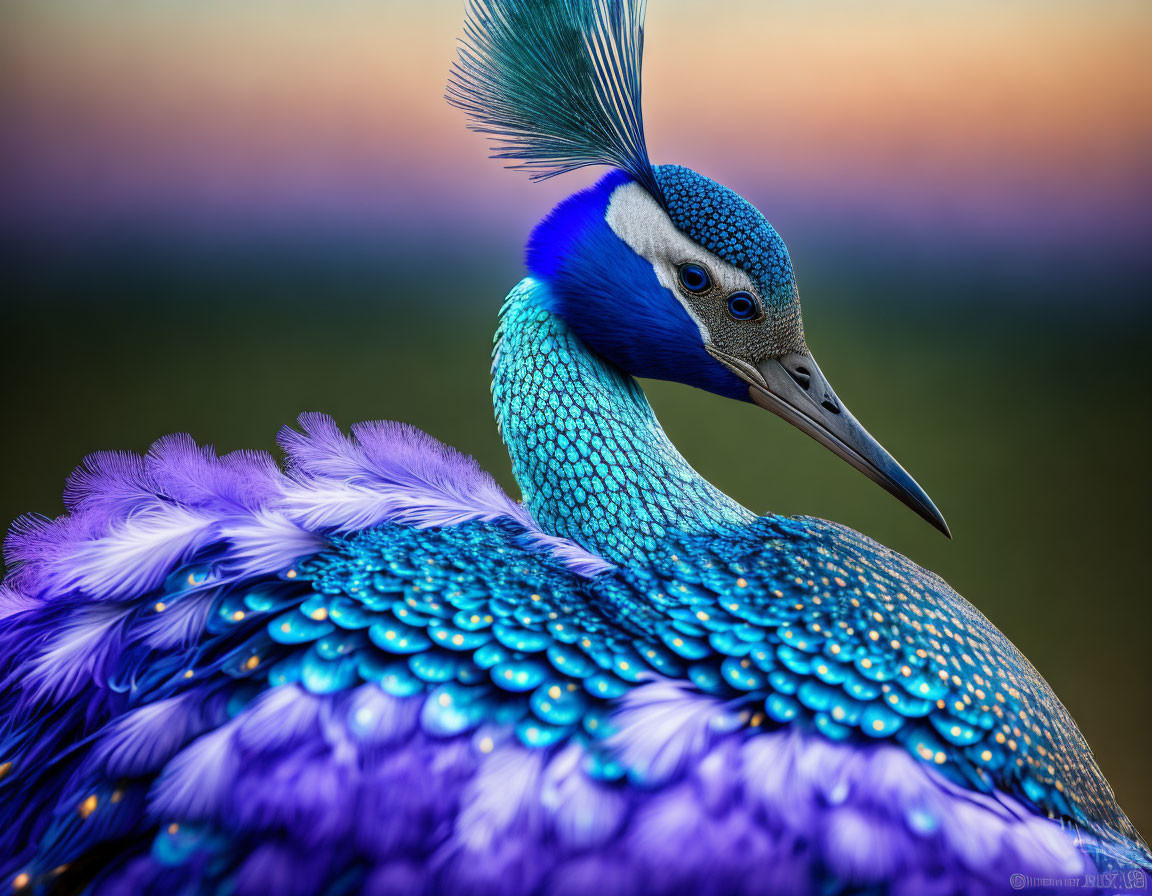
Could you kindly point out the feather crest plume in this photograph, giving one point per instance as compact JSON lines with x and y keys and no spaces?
{"x":555,"y":84}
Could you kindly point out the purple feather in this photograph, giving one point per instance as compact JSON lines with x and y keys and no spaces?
{"x":266,"y":541}
{"x":386,"y":471}
{"x":109,"y":485}
{"x":143,"y":740}
{"x":660,"y":730}
{"x":75,"y":654}
{"x":583,"y":813}
{"x":199,"y":782}
{"x":13,"y":602}
{"x":352,"y":780}
{"x":376,"y":719}
{"x":278,"y":718}
{"x":282,"y":869}
{"x":181,"y":623}
{"x":133,"y":520}
{"x":192,"y":475}
{"x":134,"y":555}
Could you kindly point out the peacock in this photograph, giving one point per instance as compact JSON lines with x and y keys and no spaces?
{"x":370,"y":670}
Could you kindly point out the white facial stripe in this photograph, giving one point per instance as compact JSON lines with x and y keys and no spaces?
{"x":639,"y":221}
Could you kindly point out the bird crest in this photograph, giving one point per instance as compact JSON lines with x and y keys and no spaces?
{"x":555,"y":84}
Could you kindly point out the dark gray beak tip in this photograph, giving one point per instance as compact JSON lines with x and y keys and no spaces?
{"x":933,"y":517}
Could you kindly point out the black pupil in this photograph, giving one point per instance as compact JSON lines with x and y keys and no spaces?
{"x":740,"y":306}
{"x":694,"y":278}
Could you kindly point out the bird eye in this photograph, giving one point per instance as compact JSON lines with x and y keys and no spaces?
{"x":742,"y":306}
{"x":694,"y":278}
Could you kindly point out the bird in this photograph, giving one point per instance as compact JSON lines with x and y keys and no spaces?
{"x":369,"y":669}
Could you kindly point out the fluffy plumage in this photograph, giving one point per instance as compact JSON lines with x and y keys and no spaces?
{"x":132,"y":519}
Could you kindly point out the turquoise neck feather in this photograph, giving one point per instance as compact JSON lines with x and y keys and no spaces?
{"x":590,"y":457}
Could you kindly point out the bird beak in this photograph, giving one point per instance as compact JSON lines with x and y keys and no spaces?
{"x":793,"y":387}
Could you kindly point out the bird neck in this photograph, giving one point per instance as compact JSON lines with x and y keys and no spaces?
{"x":591,"y":459}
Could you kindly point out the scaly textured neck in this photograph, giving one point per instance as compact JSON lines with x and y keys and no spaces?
{"x":591,"y":459}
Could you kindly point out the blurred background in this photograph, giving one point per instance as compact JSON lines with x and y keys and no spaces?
{"x":220,"y":213}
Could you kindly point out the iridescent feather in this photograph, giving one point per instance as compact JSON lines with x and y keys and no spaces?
{"x":556,"y":84}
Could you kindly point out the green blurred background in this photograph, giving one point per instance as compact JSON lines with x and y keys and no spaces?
{"x":981,"y":307}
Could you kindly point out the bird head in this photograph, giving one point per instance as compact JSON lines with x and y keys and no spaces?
{"x":660,"y":270}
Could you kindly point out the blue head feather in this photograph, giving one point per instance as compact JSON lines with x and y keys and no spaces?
{"x":728,"y":225}
{"x":611,"y":298}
